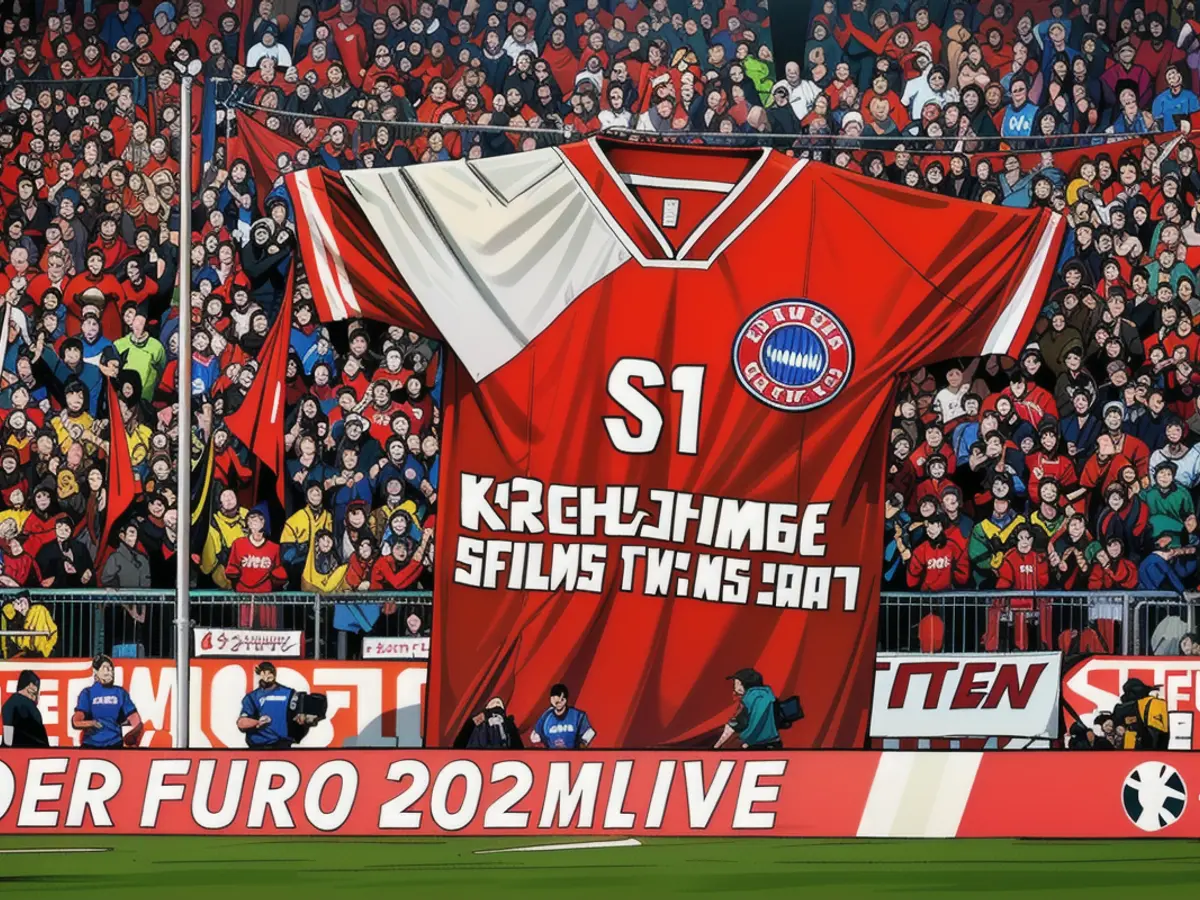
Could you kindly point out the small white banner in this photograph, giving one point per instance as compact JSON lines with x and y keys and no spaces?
{"x":966,"y":695}
{"x":246,"y":642}
{"x":395,"y":648}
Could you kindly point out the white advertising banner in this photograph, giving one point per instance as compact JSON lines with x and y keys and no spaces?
{"x":966,"y":695}
{"x":247,"y":642}
{"x":1096,"y":684}
{"x":395,"y":648}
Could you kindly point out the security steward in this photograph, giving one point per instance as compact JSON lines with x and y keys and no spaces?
{"x":264,"y":718}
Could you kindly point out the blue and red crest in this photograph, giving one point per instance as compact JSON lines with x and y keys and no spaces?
{"x":793,"y":355}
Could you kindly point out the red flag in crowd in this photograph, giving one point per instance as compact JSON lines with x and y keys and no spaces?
{"x":260,"y":147}
{"x":258,"y":422}
{"x":122,"y":483}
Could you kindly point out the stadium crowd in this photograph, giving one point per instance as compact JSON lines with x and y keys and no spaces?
{"x":1075,"y":467}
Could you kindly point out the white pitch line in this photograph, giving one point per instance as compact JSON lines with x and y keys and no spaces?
{"x":575,"y":845}
{"x":62,"y":850}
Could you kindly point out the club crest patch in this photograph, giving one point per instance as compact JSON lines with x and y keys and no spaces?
{"x":793,"y":355}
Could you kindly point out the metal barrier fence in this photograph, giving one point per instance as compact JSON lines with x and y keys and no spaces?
{"x":136,"y":623}
{"x":141,"y":623}
{"x":1129,"y":623}
{"x":363,"y":129}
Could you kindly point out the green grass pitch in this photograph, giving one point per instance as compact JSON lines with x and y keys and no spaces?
{"x":330,"y":868}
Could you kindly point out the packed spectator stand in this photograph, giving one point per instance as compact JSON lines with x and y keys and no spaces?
{"x":1071,"y":469}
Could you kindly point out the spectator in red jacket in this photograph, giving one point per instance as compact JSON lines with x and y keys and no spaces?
{"x":1110,"y":572}
{"x":1022,"y":569}
{"x":397,"y":571}
{"x":938,"y":563}
{"x":256,"y":567}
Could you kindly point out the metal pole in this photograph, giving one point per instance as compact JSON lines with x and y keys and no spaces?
{"x":1127,"y":624}
{"x":183,"y":503}
{"x":316,"y":626}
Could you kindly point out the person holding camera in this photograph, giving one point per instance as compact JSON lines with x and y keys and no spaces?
{"x":754,"y":722}
{"x":1144,"y":716}
{"x":103,"y":708}
{"x":267,"y":716}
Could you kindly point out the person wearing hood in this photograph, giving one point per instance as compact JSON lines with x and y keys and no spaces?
{"x":310,"y":339}
{"x":780,"y":114}
{"x":856,"y":53}
{"x":491,"y":729}
{"x":822,"y":39}
{"x":978,"y":117}
{"x":300,"y":32}
{"x":70,"y":498}
{"x":1145,"y":716}
{"x":121,"y":24}
{"x":165,"y":29}
{"x":931,"y":86}
{"x":269,"y":46}
{"x":262,"y":261}
{"x":324,"y":571}
{"x":358,"y":576}
{"x":298,"y":541}
{"x":753,"y":723}
{"x":355,"y":528}
{"x":226,"y":525}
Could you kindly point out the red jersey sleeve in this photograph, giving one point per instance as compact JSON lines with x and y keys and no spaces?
{"x":349,"y":271}
{"x":948,"y":277}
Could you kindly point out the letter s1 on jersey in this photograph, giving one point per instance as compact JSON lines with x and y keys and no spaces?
{"x":688,"y":381}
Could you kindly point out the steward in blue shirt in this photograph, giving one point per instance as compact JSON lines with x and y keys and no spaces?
{"x":754,"y":721}
{"x":562,"y":727}
{"x":1176,"y":102}
{"x":103,"y":707}
{"x":264,"y":717}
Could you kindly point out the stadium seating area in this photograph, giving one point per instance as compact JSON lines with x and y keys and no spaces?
{"x":1074,"y":467}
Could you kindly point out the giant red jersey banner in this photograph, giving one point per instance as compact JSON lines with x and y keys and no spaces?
{"x":667,"y":414}
{"x":620,"y":793}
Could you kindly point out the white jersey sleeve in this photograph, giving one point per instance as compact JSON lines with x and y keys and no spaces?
{"x":493,"y":249}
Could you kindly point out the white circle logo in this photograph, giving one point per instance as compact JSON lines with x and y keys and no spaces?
{"x":1154,"y":796}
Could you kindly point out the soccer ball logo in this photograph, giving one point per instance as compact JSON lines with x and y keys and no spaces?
{"x":793,"y":355}
{"x":1154,"y":796}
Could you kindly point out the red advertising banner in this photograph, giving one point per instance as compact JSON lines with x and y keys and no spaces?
{"x":1094,"y":686}
{"x":375,"y":704}
{"x":439,"y":793}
